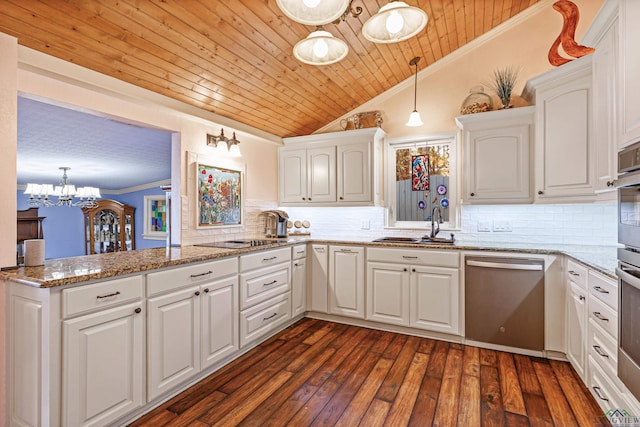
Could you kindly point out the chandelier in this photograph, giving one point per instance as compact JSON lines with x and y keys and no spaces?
{"x":65,"y":192}
{"x":394,"y":22}
{"x":224,"y":146}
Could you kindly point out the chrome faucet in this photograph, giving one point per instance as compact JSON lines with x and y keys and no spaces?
{"x":435,"y":225}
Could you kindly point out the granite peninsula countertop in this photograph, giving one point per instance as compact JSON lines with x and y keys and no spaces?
{"x":68,"y":271}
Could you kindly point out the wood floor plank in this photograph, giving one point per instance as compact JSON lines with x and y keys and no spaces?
{"x":471,"y":361}
{"x":438,"y":359}
{"x":559,"y":408}
{"x":306,"y":414}
{"x":320,"y":333}
{"x":364,"y":397}
{"x":527,"y":375}
{"x":383,"y":343}
{"x":400,"y":412}
{"x":425,"y":407}
{"x":491,"y":409}
{"x":157,"y":417}
{"x":316,"y":348}
{"x":426,"y":345}
{"x":515,"y":420}
{"x":395,"y":347}
{"x":292,"y":405}
{"x":469,"y":407}
{"x":488,"y":357}
{"x":391,"y":384}
{"x":448,"y":400}
{"x":376,"y":414}
{"x":509,"y":385}
{"x":537,"y":410}
{"x":189,"y":417}
{"x":581,"y":406}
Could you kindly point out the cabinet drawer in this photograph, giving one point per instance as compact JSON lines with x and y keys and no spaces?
{"x":167,"y":280}
{"x":415,"y":256}
{"x":101,"y":295}
{"x":260,"y":285}
{"x":603,"y":348}
{"x":604,"y":289}
{"x":604,"y":316}
{"x":264,"y":318}
{"x":299,"y":251}
{"x":577,"y":273}
{"x":264,"y":258}
{"x":606,"y":393}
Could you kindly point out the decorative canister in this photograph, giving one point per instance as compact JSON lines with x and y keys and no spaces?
{"x":476,"y":102}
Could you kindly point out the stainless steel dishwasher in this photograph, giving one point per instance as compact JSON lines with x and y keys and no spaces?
{"x":504,"y":301}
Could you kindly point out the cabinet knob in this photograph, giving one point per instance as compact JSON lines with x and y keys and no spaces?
{"x":341,"y":198}
{"x":540,"y":192}
{"x":610,"y":183}
{"x":304,"y":198}
{"x":197,"y":293}
{"x":206,"y":290}
{"x":404,"y":269}
{"x":309,"y":198}
{"x":413,"y":270}
{"x":472,"y":194}
{"x":137,"y":310}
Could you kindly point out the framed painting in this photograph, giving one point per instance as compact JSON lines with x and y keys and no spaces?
{"x":155,"y":217}
{"x":219,"y":195}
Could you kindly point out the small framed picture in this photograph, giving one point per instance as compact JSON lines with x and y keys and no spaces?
{"x":219,"y":196}
{"x":155,"y":217}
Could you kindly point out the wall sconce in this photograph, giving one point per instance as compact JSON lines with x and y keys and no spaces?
{"x":224,"y":146}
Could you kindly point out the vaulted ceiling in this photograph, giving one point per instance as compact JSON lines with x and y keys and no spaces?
{"x":234,"y":57}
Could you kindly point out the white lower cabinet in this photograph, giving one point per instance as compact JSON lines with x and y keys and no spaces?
{"x":318,"y":286}
{"x":420,"y":288}
{"x":346,"y":281}
{"x":576,"y":327}
{"x":298,"y":280}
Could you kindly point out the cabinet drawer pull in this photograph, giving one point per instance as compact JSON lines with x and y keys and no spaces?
{"x":320,"y":250}
{"x":137,"y":310}
{"x":269,"y":259}
{"x":409,"y":257}
{"x":197,"y":293}
{"x":270,"y":283}
{"x":582,"y":298}
{"x":270,"y":317}
{"x":599,"y":316}
{"x":596,"y":389}
{"x":601,"y":290}
{"x":540,"y":192}
{"x":347,"y":251}
{"x":300,"y":252}
{"x":206,"y":290}
{"x":193,"y":276}
{"x":598,"y":350}
{"x":295,"y":264}
{"x":108,"y":295}
{"x":573,"y":273}
{"x":611,"y":183}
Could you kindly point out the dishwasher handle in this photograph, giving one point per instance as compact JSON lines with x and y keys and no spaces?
{"x":504,"y":265}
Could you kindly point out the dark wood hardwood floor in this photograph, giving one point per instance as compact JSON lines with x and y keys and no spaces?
{"x":318,"y":373}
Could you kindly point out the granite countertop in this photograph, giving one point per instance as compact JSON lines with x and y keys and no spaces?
{"x":67,"y":271}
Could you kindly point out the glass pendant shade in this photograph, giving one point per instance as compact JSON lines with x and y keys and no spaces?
{"x":414,"y":119}
{"x":320,"y":48}
{"x":313,"y":12}
{"x":395,"y":21}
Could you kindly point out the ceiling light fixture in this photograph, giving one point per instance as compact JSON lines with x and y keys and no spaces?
{"x":394,"y":22}
{"x":414,"y":117}
{"x":224,"y":146}
{"x":39,"y":194}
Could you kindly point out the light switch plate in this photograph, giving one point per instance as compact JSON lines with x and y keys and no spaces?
{"x":365,"y":224}
{"x":502,"y":226}
{"x":484,"y":226}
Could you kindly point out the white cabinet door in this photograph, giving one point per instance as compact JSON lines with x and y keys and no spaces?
{"x":576,"y":322}
{"x":293,"y":176}
{"x":565,"y":148}
{"x":173,"y":339}
{"x":319,"y":279}
{"x":388,"y":293}
{"x":354,"y":173}
{"x":321,"y":174}
{"x":298,"y":287}
{"x":629,"y":71}
{"x":497,"y":165}
{"x":103,"y":370}
{"x":435,"y":299}
{"x":219,"y":317}
{"x":605,"y":124}
{"x":346,"y":281}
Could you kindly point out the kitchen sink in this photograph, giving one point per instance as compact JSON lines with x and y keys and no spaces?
{"x":425,"y":240}
{"x":398,"y":240}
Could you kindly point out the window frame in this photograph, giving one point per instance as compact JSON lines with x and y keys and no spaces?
{"x":391,"y":144}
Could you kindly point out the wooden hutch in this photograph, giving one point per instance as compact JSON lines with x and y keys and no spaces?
{"x":29,"y":227}
{"x":109,"y":227}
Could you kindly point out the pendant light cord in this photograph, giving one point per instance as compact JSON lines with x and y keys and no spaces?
{"x":415,"y":61}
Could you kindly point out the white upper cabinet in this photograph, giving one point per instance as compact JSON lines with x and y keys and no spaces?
{"x":497,"y":149}
{"x":564,"y":146}
{"x":629,"y":31}
{"x":333,"y":169}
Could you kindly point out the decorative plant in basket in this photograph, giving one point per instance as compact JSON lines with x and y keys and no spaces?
{"x":504,"y":79}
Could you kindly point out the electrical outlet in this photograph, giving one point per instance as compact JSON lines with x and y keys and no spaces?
{"x":484,"y":226}
{"x":502,"y":226}
{"x":365,"y":224}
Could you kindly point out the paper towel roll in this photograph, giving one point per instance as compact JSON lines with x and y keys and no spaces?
{"x":33,"y":252}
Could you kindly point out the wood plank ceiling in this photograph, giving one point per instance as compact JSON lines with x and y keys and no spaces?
{"x":234,"y":57}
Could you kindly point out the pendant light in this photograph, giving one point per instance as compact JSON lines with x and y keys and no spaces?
{"x":320,"y":48}
{"x":414,"y":117}
{"x":395,"y":21}
{"x":313,"y":12}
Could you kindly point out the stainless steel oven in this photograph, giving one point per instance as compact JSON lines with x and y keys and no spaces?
{"x":628,"y":270}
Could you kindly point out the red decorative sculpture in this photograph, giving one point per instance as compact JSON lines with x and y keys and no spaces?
{"x":570,"y":14}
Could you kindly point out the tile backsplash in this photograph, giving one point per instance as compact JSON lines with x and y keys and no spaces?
{"x":580,"y":224}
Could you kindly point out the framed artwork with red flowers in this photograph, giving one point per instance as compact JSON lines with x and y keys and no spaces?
{"x":219,"y":196}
